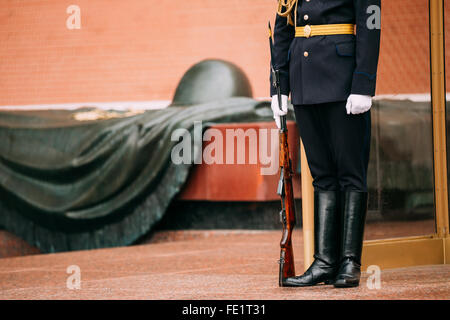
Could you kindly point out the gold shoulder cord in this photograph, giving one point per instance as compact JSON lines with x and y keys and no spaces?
{"x":289,"y":5}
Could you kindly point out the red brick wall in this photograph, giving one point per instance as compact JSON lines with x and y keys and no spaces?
{"x":404,"y":65}
{"x":139,"y":49}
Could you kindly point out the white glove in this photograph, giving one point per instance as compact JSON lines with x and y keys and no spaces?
{"x":357,"y":103}
{"x":276,"y":109}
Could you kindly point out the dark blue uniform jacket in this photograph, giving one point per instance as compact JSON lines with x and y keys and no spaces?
{"x":334,"y":66}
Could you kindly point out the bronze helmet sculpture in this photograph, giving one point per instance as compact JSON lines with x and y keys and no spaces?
{"x":211,"y":80}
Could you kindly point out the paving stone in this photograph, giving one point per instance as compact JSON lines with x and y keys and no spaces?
{"x":217,"y":265}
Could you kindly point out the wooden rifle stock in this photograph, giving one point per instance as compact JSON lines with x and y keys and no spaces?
{"x":285,"y":189}
{"x":287,"y":213}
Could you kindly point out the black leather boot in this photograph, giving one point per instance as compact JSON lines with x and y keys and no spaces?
{"x":353,"y":218}
{"x":326,"y":242}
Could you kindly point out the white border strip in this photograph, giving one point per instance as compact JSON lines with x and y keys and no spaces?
{"x":160,"y":104}
{"x":120,"y":105}
{"x":416,"y":97}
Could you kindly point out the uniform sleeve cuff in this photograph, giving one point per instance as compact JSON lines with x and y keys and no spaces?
{"x":364,"y":83}
{"x":284,"y":86}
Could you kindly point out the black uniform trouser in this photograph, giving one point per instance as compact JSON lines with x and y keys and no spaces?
{"x":337,"y":145}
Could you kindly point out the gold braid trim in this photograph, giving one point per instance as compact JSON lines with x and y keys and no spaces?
{"x":289,"y":5}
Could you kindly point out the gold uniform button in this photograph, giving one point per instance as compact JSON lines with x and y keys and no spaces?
{"x":306,"y":53}
{"x":306,"y":17}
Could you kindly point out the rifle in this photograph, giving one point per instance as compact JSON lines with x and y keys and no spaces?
{"x":284,"y":190}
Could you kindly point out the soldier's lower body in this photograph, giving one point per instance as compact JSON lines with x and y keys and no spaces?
{"x":337,"y":148}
